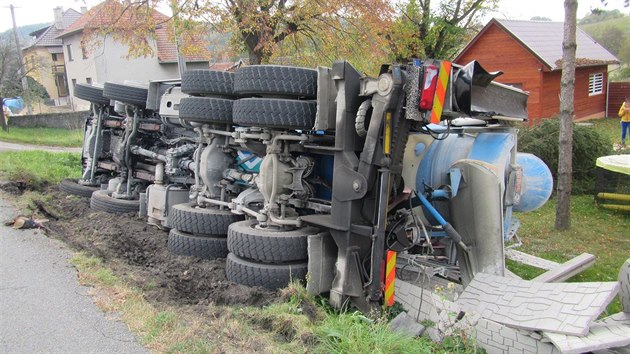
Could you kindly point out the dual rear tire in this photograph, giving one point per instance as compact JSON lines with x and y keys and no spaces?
{"x":269,"y":258}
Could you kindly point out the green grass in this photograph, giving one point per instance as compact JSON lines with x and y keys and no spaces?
{"x":609,"y":127}
{"x":297,"y":325}
{"x":38,"y":168}
{"x":596,"y":29}
{"x":602,"y":233}
{"x":43,"y":136}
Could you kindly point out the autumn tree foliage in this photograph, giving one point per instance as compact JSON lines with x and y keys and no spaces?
{"x":309,"y":31}
{"x":302,"y":32}
{"x":435,"y":30}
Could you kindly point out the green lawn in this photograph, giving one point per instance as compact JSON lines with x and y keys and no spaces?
{"x":603,"y":233}
{"x":609,"y":127}
{"x":38,"y":168}
{"x":43,"y":136}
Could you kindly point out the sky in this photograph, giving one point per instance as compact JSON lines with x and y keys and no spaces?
{"x":40,"y":11}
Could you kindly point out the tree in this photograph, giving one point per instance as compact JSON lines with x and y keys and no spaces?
{"x":567,"y":84}
{"x":258,"y":27}
{"x":540,"y":18}
{"x":11,"y":77}
{"x":423,"y":32}
{"x":599,"y":15}
{"x":8,"y":73}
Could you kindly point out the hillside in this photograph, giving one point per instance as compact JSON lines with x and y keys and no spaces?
{"x":23,"y":31}
{"x":613,"y":34}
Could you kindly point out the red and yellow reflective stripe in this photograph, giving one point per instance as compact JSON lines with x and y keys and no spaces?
{"x":440,"y":91}
{"x":390,"y":278}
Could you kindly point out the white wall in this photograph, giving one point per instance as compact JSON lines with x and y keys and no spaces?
{"x":108,"y":62}
{"x":77,"y":69}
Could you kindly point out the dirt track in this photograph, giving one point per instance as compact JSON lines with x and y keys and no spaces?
{"x":137,"y":251}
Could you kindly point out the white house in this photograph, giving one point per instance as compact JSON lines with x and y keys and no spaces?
{"x":108,"y":61}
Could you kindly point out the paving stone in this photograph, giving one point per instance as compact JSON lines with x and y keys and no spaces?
{"x":624,"y":279}
{"x":537,"y":306}
{"x":620,"y":318}
{"x":600,"y":337}
{"x":403,"y":323}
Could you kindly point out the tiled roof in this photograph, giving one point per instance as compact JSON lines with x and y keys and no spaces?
{"x":227,"y":66}
{"x":101,"y":15}
{"x":167,"y":50}
{"x":544,"y":40}
{"x":47,"y":37}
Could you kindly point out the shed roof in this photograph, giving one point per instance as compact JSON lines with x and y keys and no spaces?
{"x":544,"y":40}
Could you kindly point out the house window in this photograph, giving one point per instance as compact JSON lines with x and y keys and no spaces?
{"x":54,"y":56}
{"x":74,"y":82}
{"x":88,"y":80}
{"x":69,"y":49}
{"x":595,"y":84}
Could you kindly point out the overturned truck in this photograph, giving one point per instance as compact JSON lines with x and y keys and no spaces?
{"x":327,"y":175}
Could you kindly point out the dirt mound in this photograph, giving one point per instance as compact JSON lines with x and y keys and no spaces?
{"x":137,"y":251}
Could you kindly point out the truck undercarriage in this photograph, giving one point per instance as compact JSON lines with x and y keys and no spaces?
{"x":290,"y":171}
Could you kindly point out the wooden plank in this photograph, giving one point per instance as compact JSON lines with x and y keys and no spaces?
{"x":568,"y":269}
{"x":530,"y":260}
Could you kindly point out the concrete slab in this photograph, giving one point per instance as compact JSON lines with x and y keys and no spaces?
{"x":624,"y":279}
{"x":529,"y":259}
{"x":620,"y":318}
{"x":403,"y":323}
{"x":600,"y":337}
{"x":567,"y":308}
{"x":568,"y":269}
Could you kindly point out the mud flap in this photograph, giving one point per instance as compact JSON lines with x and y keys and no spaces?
{"x":477,"y":214}
{"x":322,"y":255}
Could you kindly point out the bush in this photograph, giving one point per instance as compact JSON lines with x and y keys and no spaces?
{"x":588,"y":144}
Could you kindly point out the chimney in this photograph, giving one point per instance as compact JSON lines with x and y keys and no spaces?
{"x":58,"y":17}
{"x":83,"y":9}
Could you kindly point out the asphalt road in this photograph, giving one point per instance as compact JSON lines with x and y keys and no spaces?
{"x":5,"y":146}
{"x":43,"y":309}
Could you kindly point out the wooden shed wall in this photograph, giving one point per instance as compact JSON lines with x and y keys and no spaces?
{"x":584,"y":105}
{"x":497,"y":50}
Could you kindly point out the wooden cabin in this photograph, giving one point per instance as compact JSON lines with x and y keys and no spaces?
{"x":529,"y":53}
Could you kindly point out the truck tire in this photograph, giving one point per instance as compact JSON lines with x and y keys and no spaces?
{"x":275,"y":113}
{"x":201,"y":221}
{"x":206,"y":109}
{"x":247,"y":241}
{"x":90,"y":93}
{"x":208,"y":82}
{"x":102,"y":200}
{"x":71,"y":186}
{"x":276,"y":80}
{"x":272,"y":276}
{"x":126,"y":94}
{"x":184,"y":244}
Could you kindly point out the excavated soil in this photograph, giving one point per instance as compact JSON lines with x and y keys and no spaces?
{"x":137,"y":251}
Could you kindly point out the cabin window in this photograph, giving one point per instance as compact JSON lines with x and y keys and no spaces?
{"x":88,"y":80}
{"x":595,"y":84}
{"x":54,"y":56}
